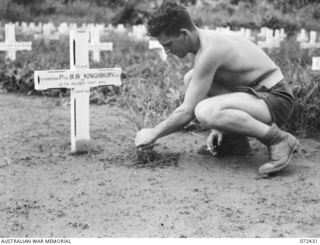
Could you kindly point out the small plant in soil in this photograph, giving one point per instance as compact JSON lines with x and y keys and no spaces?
{"x":142,"y":115}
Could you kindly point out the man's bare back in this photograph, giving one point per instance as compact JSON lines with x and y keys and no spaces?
{"x":242,"y":62}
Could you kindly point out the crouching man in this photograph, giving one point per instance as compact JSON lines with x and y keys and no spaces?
{"x":234,"y":88}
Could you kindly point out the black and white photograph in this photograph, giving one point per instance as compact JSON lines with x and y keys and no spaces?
{"x":159,"y":119}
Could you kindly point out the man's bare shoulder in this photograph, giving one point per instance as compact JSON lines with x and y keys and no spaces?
{"x":213,"y":48}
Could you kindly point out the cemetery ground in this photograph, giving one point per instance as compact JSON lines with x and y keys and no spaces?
{"x":47,"y":192}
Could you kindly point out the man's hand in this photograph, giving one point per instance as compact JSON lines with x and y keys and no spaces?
{"x":145,"y":137}
{"x":214,"y":139}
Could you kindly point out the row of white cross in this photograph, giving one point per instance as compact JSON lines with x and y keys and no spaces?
{"x":11,"y":46}
{"x":273,"y":38}
{"x":49,"y":31}
{"x":79,"y":78}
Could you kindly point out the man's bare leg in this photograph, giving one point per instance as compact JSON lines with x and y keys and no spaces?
{"x":239,"y":113}
{"x":246,"y":114}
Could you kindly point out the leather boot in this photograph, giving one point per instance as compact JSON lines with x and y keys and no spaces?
{"x":281,"y":147}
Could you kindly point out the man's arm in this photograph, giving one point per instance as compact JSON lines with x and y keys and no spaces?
{"x":204,"y":70}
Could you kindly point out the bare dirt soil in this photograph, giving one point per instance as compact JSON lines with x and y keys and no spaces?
{"x":47,"y":192}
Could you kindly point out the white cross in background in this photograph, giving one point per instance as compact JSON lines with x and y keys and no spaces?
{"x":110,"y":28}
{"x":72,"y":26}
{"x":120,"y":29}
{"x":26,"y":28}
{"x":49,"y":33}
{"x":79,"y":78}
{"x":315,"y":64}
{"x":11,"y":46}
{"x":39,"y":27}
{"x":24,"y":25}
{"x":64,"y":29}
{"x":271,"y":41}
{"x":312,"y":44}
{"x":246,"y":33}
{"x":279,"y":35}
{"x":312,"y":41}
{"x":302,"y":36}
{"x":31,"y":28}
{"x":139,"y":33}
{"x":154,"y":44}
{"x":263,"y":32}
{"x":283,"y":35}
{"x":223,"y":29}
{"x":96,"y":46}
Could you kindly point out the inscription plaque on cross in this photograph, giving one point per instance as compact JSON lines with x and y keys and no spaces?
{"x":79,"y":78}
{"x":11,"y":46}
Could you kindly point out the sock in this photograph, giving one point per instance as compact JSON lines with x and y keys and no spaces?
{"x":273,"y":136}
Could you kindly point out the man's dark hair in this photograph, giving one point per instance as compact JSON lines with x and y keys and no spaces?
{"x":169,"y":19}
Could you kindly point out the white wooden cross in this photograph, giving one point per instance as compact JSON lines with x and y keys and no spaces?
{"x":96,"y":46}
{"x":120,"y":29}
{"x":49,"y":33}
{"x":223,"y":29}
{"x":110,"y":28}
{"x":312,"y":44}
{"x":279,"y":34}
{"x":302,"y":36}
{"x":31,"y":28}
{"x":263,"y":32}
{"x":11,"y":46}
{"x":245,"y":32}
{"x":139,"y":33}
{"x":39,"y":27}
{"x":271,"y":41}
{"x":24,"y":25}
{"x":249,"y":36}
{"x":73,"y":26}
{"x":312,"y":41}
{"x":63,"y":28}
{"x":283,"y":34}
{"x":154,"y":44}
{"x":79,"y":78}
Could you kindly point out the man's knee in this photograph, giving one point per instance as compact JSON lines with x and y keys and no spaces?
{"x":211,"y":114}
{"x":205,"y":113}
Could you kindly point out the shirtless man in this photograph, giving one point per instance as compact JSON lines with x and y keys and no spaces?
{"x":233,"y":88}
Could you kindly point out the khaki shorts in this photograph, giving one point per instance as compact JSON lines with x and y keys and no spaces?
{"x":278,"y":98}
